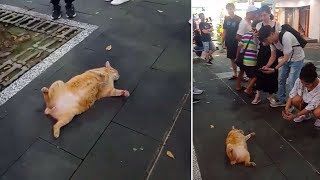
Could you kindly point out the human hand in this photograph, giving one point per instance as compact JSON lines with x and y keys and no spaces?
{"x":268,"y":70}
{"x":287,"y":115}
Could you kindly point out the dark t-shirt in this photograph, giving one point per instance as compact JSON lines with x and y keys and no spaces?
{"x":231,"y":25}
{"x":205,"y":37}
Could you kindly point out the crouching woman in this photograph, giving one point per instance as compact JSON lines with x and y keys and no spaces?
{"x":305,"y":96}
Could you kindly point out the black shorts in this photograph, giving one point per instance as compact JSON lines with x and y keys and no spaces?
{"x":250,"y":71}
{"x":232,"y":48}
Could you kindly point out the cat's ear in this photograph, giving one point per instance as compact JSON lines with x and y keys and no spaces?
{"x":108,"y":64}
{"x":233,"y":127}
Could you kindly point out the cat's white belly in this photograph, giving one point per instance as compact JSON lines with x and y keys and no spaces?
{"x":66,"y":101}
{"x":240,"y":151}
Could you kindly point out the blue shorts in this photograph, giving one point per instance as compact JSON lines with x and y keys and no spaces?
{"x":208,"y":46}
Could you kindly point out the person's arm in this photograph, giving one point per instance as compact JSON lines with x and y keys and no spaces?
{"x":271,"y":59}
{"x":224,"y":33}
{"x":285,"y":58}
{"x":240,"y":45}
{"x":287,"y":49}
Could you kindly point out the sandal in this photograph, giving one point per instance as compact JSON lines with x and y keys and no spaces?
{"x":241,"y":89}
{"x":255,"y":102}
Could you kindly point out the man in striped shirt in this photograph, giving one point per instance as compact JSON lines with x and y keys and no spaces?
{"x":244,"y":33}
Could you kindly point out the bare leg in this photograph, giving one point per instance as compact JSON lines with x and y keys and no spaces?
{"x":240,"y":76}
{"x":252,"y":81}
{"x":234,"y":67}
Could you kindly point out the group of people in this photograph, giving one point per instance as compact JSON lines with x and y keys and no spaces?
{"x":271,"y":56}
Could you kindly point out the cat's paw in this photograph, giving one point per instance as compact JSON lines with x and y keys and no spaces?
{"x":44,"y":90}
{"x":125,"y":93}
{"x":47,"y":111}
{"x":56,"y":131}
{"x":233,"y":162}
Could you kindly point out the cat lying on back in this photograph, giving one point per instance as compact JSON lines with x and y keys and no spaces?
{"x":237,"y":149}
{"x":65,"y":100}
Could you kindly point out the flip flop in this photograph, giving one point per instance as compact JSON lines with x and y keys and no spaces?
{"x":256,"y":102}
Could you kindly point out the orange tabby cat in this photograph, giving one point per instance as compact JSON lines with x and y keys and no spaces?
{"x":65,"y":100}
{"x":237,"y":149}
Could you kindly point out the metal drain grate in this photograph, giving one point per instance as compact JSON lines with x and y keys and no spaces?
{"x":26,"y":40}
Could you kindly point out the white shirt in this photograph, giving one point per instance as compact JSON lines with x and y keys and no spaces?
{"x":244,"y":27}
{"x":278,"y":26}
{"x":312,"y":97}
{"x":288,"y":41}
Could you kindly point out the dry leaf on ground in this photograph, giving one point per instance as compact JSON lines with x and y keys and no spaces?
{"x":170,"y":154}
{"x":108,"y":48}
{"x":211,"y":126}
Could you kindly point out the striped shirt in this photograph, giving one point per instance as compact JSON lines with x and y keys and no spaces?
{"x":250,"y":56}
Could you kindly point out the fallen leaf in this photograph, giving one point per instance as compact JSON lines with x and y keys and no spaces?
{"x":170,"y":154}
{"x":110,"y":18}
{"x":108,"y":48}
{"x":160,"y":11}
{"x":208,"y":102}
{"x":141,"y":148}
{"x":290,"y":140}
{"x":211,"y":126}
{"x":6,"y":67}
{"x":135,"y":149}
{"x":97,"y":12}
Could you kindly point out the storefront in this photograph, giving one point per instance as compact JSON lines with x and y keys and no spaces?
{"x":303,"y":15}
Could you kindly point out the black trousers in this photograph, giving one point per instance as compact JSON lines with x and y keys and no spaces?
{"x":56,"y":2}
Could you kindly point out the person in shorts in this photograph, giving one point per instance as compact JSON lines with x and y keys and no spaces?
{"x":208,"y":47}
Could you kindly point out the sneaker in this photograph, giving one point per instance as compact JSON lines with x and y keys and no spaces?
{"x":56,"y":13}
{"x":209,"y":63}
{"x":302,"y":118}
{"x":277,"y":104}
{"x":118,"y":2}
{"x":197,"y":91}
{"x":70,"y":11}
{"x":271,"y":100}
{"x":317,"y":123}
{"x":196,"y":100}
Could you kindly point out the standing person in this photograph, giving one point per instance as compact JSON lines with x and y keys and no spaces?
{"x":266,"y":82}
{"x":244,"y":27}
{"x":230,"y":28}
{"x":248,"y":45}
{"x":208,"y":46}
{"x":56,"y":13}
{"x":291,"y":62}
{"x":198,"y":42}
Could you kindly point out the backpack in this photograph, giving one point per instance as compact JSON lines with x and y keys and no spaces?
{"x":287,"y":27}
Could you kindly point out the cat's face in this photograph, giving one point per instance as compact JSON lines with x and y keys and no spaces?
{"x":111,"y":71}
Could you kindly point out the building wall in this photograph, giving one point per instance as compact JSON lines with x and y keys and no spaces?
{"x":314,"y":23}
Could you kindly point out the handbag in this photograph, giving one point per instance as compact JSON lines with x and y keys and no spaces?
{"x":239,"y":60}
